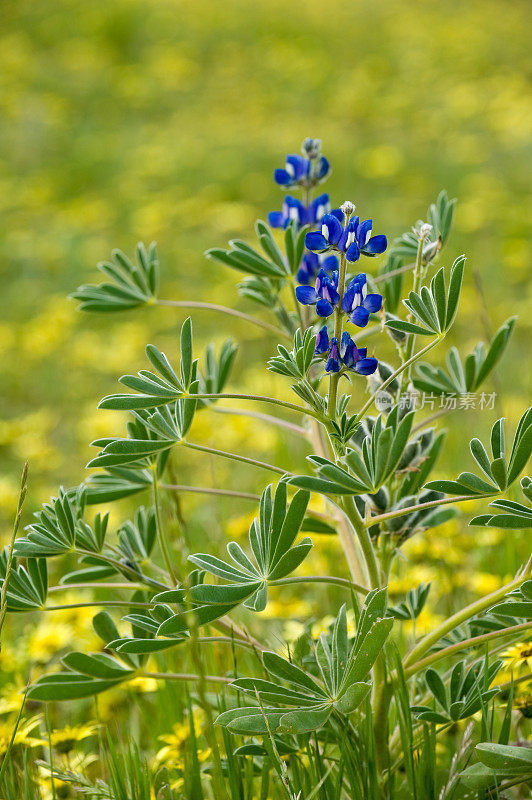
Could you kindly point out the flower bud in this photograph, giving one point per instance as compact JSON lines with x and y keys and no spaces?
{"x":348,"y":208}
{"x":431,"y":249}
{"x":311,"y":147}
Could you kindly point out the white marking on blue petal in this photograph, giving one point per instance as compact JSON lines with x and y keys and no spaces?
{"x":325,"y":231}
{"x":290,"y":169}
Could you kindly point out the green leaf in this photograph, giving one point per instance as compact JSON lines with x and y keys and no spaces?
{"x":96,"y":665}
{"x":186,"y":352}
{"x":352,"y":698}
{"x":455,"y":286}
{"x":409,"y":327}
{"x":68,"y":686}
{"x":504,"y":756}
{"x":304,"y":720}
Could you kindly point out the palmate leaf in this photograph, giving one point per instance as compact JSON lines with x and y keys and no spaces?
{"x":131,"y":284}
{"x":342,"y":667}
{"x":271,"y":537}
{"x":461,"y":695}
{"x":434,"y":310}
{"x":461,"y":378}
{"x":59,"y":528}
{"x":244,"y":258}
{"x":116,"y":483}
{"x":440,"y":215}
{"x":370,"y":465}
{"x":27,"y":587}
{"x":297,"y":362}
{"x":163,"y":387}
{"x":498,"y":471}
{"x":509,"y":514}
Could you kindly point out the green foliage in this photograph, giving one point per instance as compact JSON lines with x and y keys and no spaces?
{"x":132,"y":284}
{"x":464,"y":694}
{"x":499,"y":472}
{"x":271,"y":538}
{"x":434,"y":310}
{"x":341,"y":688}
{"x":461,"y":378}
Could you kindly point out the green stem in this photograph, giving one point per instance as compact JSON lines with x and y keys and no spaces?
{"x":185,"y":676}
{"x":121,"y":567}
{"x":343,"y":582}
{"x":257,"y":398}
{"x":64,"y":587}
{"x":16,"y":523}
{"x":472,"y":642}
{"x":102,"y":603}
{"x":281,"y":423}
{"x":163,"y":542}
{"x":335,"y":377}
{"x":364,"y":539}
{"x":235,"y":457}
{"x":297,"y":304}
{"x":174,"y":487}
{"x":417,"y":280}
{"x":398,"y":371}
{"x":462,"y":616}
{"x":400,"y":512}
{"x":232,"y":312}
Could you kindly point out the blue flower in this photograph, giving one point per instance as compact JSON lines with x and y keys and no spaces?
{"x":358,"y":303}
{"x":294,"y":209}
{"x":333,"y":362}
{"x":345,"y":235}
{"x":324,"y":295}
{"x":300,"y":171}
{"x":322,"y":342}
{"x":346,"y":356}
{"x":355,"y":358}
{"x":311,"y":265}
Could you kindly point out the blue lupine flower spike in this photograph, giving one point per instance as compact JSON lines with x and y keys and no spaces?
{"x":324,"y":295}
{"x":358,"y":303}
{"x":345,"y":235}
{"x":293,"y":209}
{"x":306,"y":170}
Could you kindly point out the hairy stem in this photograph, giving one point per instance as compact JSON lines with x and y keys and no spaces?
{"x":467,"y":643}
{"x":163,"y":542}
{"x":462,"y":616}
{"x":232,"y":312}
{"x":400,"y":512}
{"x":235,"y":457}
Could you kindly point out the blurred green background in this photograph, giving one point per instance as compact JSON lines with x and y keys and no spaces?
{"x":164,"y":119}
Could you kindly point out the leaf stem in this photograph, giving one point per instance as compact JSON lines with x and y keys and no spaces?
{"x":235,"y":457}
{"x":462,"y":616}
{"x":174,"y":487}
{"x":225,"y":310}
{"x":163,"y":542}
{"x":16,"y":523}
{"x":257,"y":398}
{"x":472,"y":642}
{"x":400,"y":512}
{"x":417,"y":281}
{"x":364,"y":539}
{"x":185,"y":676}
{"x":281,"y":423}
{"x":331,"y":579}
{"x":398,"y":371}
